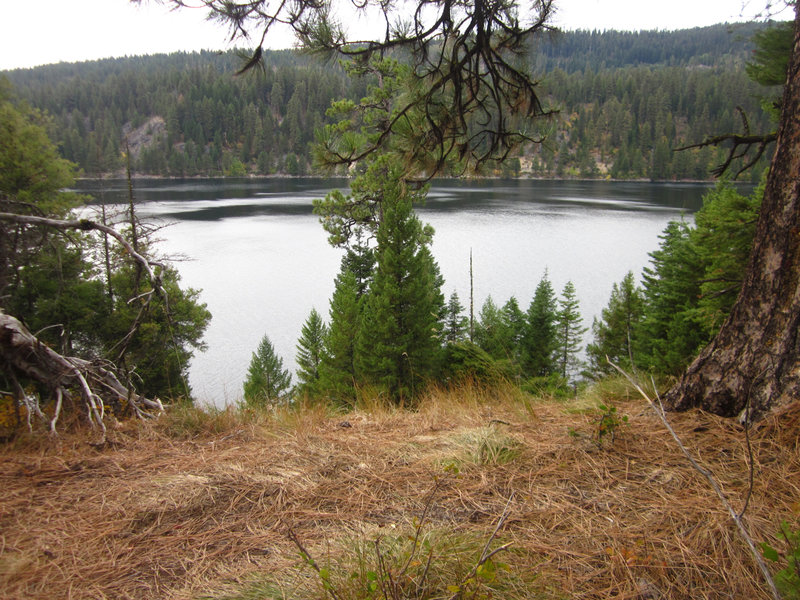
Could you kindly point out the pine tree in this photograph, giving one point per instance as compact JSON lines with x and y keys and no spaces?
{"x":723,"y":238}
{"x":337,"y":367}
{"x":267,"y":381}
{"x":360,"y":259}
{"x":539,"y":337}
{"x":456,"y":324}
{"x":310,"y":353}
{"x":617,"y":329}
{"x":671,"y":335}
{"x":513,"y":328}
{"x":397,"y":344}
{"x":489,"y":330}
{"x":569,"y":332}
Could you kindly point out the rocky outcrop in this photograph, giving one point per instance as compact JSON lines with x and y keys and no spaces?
{"x":144,"y":136}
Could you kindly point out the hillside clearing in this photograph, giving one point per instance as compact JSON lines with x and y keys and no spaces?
{"x":206,"y":512}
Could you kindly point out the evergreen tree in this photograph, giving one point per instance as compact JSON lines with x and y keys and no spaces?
{"x":617,"y":328}
{"x":513,"y":328}
{"x":47,"y":278}
{"x":360,"y":259}
{"x":490,"y":334}
{"x":569,"y":333}
{"x":694,"y":278}
{"x":337,"y":367}
{"x":267,"y":381}
{"x":397,"y":343}
{"x":310,"y":353}
{"x":723,"y":238}
{"x":539,"y":337}
{"x":770,"y":61}
{"x":671,"y":335}
{"x":158,"y":352}
{"x":456,"y":324}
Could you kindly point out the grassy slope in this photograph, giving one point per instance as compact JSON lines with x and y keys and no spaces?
{"x":199,"y":506}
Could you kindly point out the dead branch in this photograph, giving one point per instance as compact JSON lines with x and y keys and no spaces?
{"x":741,"y":144}
{"x":86,"y":225}
{"x":25,"y":354}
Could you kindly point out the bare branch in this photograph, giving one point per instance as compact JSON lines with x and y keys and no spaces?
{"x":86,"y":225}
{"x":467,"y":55}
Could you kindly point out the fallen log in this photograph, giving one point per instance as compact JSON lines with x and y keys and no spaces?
{"x":26,"y":356}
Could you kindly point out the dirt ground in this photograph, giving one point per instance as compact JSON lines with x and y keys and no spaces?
{"x":160,"y":515}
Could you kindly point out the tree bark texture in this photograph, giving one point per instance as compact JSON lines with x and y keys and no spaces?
{"x":754,"y":361}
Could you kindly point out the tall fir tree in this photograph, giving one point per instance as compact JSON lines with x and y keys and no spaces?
{"x":310,"y":353}
{"x":513,"y":325}
{"x":722,"y":239}
{"x":569,"y":333}
{"x":671,"y":335}
{"x":694,"y":278}
{"x":398,"y":342}
{"x":337,"y":367}
{"x":267,"y":381}
{"x":456,"y":324}
{"x":617,"y":329}
{"x":490,"y":332}
{"x":539,"y":337}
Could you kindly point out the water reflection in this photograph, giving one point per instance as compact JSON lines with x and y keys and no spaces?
{"x":215,"y":199}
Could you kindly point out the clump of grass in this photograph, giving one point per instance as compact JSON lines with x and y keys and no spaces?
{"x":437,"y":564}
{"x":483,"y":446}
{"x":187,"y":421}
{"x":300,"y":417}
{"x":470,"y":397}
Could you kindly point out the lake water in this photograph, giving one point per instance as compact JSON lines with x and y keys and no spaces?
{"x":262,"y":261}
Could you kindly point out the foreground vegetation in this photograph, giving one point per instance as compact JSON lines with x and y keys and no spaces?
{"x":204,"y":503}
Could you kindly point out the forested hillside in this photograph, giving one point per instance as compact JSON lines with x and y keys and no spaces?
{"x":624,"y":101}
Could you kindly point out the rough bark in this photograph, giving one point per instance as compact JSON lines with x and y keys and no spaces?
{"x":754,"y":361}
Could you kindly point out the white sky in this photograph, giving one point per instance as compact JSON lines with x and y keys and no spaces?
{"x":35,"y":32}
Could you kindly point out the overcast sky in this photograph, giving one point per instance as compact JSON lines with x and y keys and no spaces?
{"x":35,"y":32}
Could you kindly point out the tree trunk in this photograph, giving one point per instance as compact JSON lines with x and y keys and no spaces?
{"x":754,"y":361}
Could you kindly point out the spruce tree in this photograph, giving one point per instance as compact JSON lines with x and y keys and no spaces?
{"x":722,"y":239}
{"x":267,"y":381}
{"x":671,"y":333}
{"x":456,"y":324}
{"x":310,"y":353}
{"x":695,"y":277}
{"x":397,"y":344}
{"x":539,"y":337}
{"x":360,"y":259}
{"x":489,"y":330}
{"x":337,"y":367}
{"x":569,"y":332}
{"x":617,"y":329}
{"x":513,"y":328}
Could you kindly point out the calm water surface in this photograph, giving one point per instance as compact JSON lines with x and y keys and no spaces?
{"x":262,"y":261}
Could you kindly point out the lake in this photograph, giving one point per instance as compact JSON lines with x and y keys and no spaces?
{"x":262,"y":261}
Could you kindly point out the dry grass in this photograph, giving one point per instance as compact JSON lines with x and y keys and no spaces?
{"x":197,"y":505}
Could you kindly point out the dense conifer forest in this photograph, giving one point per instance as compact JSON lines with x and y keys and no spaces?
{"x":625,"y":100}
